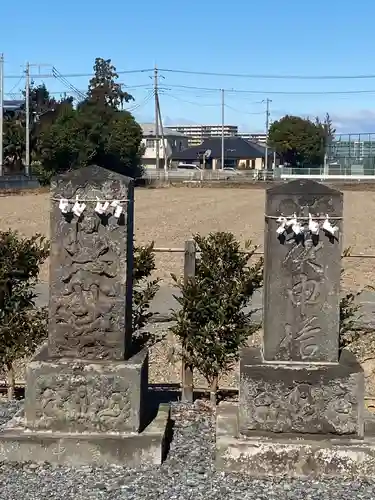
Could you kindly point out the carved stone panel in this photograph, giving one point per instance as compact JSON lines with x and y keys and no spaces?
{"x":312,"y":399}
{"x":100,"y":397}
{"x":302,"y":276}
{"x":91,"y":268}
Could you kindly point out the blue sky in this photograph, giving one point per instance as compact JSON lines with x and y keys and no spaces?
{"x":241,"y":37}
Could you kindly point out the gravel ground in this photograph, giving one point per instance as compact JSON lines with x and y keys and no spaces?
{"x":187,"y":474}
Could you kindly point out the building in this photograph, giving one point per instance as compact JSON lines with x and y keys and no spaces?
{"x":238,"y":153}
{"x":14,"y":105}
{"x":174,"y":142}
{"x":198,"y":133}
{"x":259,"y":137}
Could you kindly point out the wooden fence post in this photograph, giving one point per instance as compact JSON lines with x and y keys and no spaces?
{"x":187,"y":371}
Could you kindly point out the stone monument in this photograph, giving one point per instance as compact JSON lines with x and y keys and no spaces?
{"x":86,"y":390}
{"x":301,"y":401}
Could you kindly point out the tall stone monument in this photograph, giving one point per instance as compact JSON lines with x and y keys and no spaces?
{"x":301,"y":401}
{"x":86,"y":390}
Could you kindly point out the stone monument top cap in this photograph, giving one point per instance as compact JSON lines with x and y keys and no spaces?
{"x":92,"y":175}
{"x":303,"y":186}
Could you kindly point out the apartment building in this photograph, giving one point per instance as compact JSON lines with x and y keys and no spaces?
{"x":260,"y":137}
{"x":196,"y":134}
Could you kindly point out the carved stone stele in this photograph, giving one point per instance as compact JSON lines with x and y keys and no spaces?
{"x":91,"y":265}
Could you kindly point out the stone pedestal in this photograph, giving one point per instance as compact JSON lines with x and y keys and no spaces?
{"x":308,"y":456}
{"x":86,"y":390}
{"x":86,"y":396}
{"x":300,"y":398}
{"x":81,"y":412}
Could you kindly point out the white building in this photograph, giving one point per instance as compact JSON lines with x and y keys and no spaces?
{"x":260,"y":137}
{"x":174,"y":142}
{"x":199,"y":133}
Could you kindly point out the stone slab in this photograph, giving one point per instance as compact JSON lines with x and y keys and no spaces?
{"x":91,"y":265}
{"x":73,"y":395}
{"x":73,"y":449}
{"x":302,"y":456}
{"x":296,"y":397}
{"x":301,"y":277}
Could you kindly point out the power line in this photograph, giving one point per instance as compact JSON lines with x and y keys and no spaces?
{"x":61,"y":92}
{"x":244,"y":112}
{"x":276,"y":92}
{"x":212,"y":73}
{"x":146,"y":100}
{"x":80,"y":75}
{"x":190,"y":102}
{"x":271,"y":77}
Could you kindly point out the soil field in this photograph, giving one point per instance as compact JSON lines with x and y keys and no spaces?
{"x":168,"y":216}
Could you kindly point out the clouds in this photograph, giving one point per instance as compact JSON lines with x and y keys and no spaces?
{"x":356,"y":122}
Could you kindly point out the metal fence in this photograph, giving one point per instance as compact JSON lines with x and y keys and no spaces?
{"x":344,"y":171}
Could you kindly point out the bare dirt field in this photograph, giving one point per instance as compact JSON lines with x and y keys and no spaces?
{"x":169,"y":216}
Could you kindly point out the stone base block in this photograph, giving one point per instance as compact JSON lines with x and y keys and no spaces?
{"x":306,"y":398}
{"x":18,"y":444}
{"x":293,"y":455}
{"x":72,"y":395}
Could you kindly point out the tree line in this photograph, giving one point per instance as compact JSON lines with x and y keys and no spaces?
{"x":64,"y":136}
{"x":96,"y":130}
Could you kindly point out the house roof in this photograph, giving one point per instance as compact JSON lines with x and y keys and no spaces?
{"x":235,"y":148}
{"x":149,"y":131}
{"x":13,"y":105}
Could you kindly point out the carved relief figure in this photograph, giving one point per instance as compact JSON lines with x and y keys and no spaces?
{"x":82,"y":402}
{"x":300,"y":407}
{"x":83,"y":313}
{"x":88,"y":250}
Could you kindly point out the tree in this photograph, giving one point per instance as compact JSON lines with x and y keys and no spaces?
{"x":22,"y":325}
{"x":299,"y":141}
{"x":44,"y":110}
{"x":97,"y":132}
{"x":103,"y":89}
{"x":328,"y":131}
{"x":87,"y":137}
{"x":212,"y":324}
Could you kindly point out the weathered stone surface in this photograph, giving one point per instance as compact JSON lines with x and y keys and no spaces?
{"x":301,"y":280}
{"x":99,"y":449}
{"x":91,"y":268}
{"x":303,"y":456}
{"x":301,"y":398}
{"x":86,"y":396}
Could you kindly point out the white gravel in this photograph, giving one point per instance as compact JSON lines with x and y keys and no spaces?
{"x":187,"y":474}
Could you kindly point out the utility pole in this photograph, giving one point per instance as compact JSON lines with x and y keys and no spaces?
{"x":165,"y":152}
{"x":157,"y":159}
{"x":267,"y":101}
{"x":1,"y":113}
{"x":27,"y":98}
{"x":222,"y":128}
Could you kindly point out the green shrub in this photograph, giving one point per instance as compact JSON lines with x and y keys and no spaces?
{"x":351,"y":329}
{"x":212,"y":324}
{"x":144,"y":290}
{"x":22,"y":326}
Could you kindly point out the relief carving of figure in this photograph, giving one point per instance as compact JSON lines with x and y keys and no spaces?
{"x":87,"y":250}
{"x":117,"y":410}
{"x":83,"y":312}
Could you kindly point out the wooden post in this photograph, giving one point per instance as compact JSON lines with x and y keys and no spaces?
{"x":187,"y":371}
